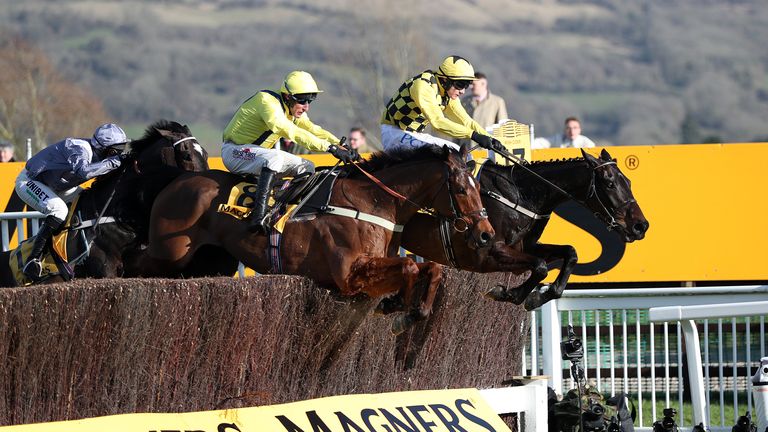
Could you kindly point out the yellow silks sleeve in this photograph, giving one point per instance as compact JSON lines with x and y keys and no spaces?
{"x":276,"y":120}
{"x":426,"y":97}
{"x":455,"y":111}
{"x":305,"y":123}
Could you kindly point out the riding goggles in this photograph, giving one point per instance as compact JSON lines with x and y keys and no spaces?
{"x":304,"y":99}
{"x":461,"y":84}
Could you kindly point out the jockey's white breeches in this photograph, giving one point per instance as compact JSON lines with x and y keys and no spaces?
{"x":393,"y":138}
{"x":250,"y":159}
{"x":42,"y":198}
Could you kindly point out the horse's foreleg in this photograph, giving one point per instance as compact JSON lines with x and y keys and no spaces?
{"x":509,"y":259}
{"x":552,"y":254}
{"x":421,"y":300}
{"x":378,"y":277}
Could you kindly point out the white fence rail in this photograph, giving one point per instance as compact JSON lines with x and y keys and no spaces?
{"x":18,"y":221}
{"x":626,"y":352}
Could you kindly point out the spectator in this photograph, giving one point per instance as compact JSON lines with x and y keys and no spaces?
{"x":6,"y":152}
{"x":571,"y":137}
{"x":485,"y":107}
{"x":358,"y":140}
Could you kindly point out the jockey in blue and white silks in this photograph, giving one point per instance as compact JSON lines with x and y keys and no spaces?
{"x":51,"y":179}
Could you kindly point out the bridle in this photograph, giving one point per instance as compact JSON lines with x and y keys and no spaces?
{"x":605,"y":215}
{"x":459,"y":221}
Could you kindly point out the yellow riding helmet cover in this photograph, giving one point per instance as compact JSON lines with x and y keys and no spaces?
{"x":457,"y":68}
{"x":299,"y":82}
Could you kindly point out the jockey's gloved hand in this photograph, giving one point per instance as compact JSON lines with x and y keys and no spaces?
{"x":484,"y":141}
{"x":355,"y":154}
{"x":124,"y":156}
{"x":340,"y":153}
{"x":498,"y":146}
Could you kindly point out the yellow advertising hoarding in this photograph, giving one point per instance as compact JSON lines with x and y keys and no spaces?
{"x":434,"y":410}
{"x":705,"y":204}
{"x":706,"y":208}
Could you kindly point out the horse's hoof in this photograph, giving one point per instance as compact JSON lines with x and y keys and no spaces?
{"x":497,"y":293}
{"x":533,"y":301}
{"x":400,"y":324}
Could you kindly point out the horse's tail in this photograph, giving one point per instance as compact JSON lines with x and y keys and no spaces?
{"x":134,"y":203}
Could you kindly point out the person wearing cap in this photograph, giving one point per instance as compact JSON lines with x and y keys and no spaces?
{"x":51,"y":179}
{"x":6,"y":151}
{"x":260,"y":122}
{"x":432,"y":98}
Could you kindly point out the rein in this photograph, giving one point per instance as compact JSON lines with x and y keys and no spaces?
{"x":457,"y":215}
{"x":592,"y":192}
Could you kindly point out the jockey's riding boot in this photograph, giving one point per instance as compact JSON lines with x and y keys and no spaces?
{"x":33,"y":269}
{"x":260,"y":206}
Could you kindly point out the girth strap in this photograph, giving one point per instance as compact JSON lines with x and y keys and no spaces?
{"x":92,"y":222}
{"x":356,"y":214}
{"x":514,"y":206}
{"x":445,"y":238}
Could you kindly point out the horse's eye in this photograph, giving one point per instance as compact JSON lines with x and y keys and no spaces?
{"x":611,"y":185}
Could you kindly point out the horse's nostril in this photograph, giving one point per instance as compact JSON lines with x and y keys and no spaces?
{"x":485,"y":237}
{"x":640,"y":227}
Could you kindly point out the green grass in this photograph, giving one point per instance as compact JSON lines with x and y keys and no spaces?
{"x":714,"y":409}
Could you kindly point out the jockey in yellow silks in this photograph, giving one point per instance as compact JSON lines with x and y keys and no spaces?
{"x":250,"y":137}
{"x":432,"y":98}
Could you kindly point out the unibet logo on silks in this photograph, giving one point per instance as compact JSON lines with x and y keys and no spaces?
{"x":37,"y":193}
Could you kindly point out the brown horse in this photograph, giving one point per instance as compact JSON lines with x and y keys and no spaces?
{"x":165,"y":151}
{"x":519,"y":205}
{"x":354,"y":253}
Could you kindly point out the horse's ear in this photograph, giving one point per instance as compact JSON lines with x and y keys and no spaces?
{"x":604,"y":155}
{"x":164,"y":132}
{"x":464,"y":150}
{"x":446,"y":152}
{"x":589,"y":158}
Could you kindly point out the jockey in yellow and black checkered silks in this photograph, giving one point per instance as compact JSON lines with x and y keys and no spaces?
{"x":432,"y":98}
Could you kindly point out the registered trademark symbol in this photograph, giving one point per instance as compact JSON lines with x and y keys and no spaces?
{"x":632,"y":162}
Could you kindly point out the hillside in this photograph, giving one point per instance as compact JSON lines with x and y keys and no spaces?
{"x":636,"y":72}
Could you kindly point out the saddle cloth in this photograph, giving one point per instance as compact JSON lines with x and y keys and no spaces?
{"x":64,"y":244}
{"x":242,"y":197}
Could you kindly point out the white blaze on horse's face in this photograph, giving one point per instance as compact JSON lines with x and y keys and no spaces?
{"x":472,"y":182}
{"x":199,"y":149}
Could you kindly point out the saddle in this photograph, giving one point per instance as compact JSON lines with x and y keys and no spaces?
{"x":68,"y":247}
{"x":286,"y":197}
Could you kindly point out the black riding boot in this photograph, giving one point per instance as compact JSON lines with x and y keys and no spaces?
{"x":260,"y":206}
{"x":33,"y":269}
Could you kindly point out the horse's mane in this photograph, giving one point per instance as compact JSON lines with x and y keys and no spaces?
{"x":383,"y":160}
{"x":152,"y":133}
{"x":558,"y":161}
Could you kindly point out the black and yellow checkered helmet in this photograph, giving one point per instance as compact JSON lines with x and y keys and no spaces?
{"x":457,"y":69}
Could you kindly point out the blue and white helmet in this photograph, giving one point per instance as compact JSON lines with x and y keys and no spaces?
{"x":108,"y":135}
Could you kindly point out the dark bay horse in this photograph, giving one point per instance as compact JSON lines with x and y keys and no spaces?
{"x":352,"y":255}
{"x":166,"y":150}
{"x":519,"y":205}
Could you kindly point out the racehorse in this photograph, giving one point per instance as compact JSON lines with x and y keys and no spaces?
{"x":350,"y":244}
{"x":519,"y":205}
{"x":166,"y":150}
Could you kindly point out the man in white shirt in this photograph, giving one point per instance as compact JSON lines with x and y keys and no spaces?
{"x":571,"y":137}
